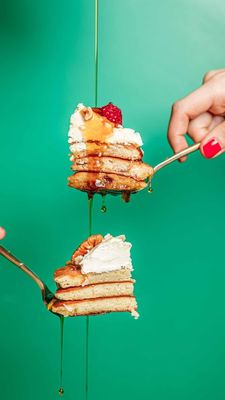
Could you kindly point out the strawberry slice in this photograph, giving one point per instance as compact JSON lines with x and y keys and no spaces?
{"x":111,"y":112}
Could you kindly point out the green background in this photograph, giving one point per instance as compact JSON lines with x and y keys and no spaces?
{"x":150,"y":54}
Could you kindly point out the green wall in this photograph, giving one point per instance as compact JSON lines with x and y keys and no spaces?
{"x":151,"y":53}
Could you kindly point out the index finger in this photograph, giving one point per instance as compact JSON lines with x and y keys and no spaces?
{"x":2,"y":233}
{"x":185,"y":110}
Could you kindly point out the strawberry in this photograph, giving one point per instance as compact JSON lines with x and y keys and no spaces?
{"x":111,"y":112}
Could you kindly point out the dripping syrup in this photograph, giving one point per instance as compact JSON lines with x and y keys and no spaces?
{"x":90,"y":212}
{"x":126,"y":196}
{"x":103,"y":208}
{"x":61,"y":389}
{"x":150,"y":190}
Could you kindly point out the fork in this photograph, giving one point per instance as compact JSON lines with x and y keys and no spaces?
{"x":46,"y":293}
{"x":176,"y":156}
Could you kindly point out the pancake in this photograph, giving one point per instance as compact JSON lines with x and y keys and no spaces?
{"x":95,"y":291}
{"x":128,"y":152}
{"x":106,"y":156}
{"x":97,"y":279}
{"x":94,"y":306}
{"x":69,"y":276}
{"x":133,"y":169}
{"x":101,"y":183}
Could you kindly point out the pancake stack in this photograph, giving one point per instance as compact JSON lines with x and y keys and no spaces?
{"x":106,"y":157}
{"x":97,"y":279}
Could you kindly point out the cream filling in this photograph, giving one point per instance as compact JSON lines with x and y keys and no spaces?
{"x":113,"y":253}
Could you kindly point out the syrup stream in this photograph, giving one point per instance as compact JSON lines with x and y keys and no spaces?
{"x":87,"y":359}
{"x":90,"y":215}
{"x":90,"y":197}
{"x":61,"y":390}
{"x":96,"y":53}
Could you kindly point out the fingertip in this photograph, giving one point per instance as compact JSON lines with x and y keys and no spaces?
{"x":2,"y":233}
{"x":178,"y":144}
{"x":182,"y":159}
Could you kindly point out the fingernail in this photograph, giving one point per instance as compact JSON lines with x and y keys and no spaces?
{"x":211,"y":148}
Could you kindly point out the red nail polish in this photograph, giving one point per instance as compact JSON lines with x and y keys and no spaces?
{"x":211,"y":148}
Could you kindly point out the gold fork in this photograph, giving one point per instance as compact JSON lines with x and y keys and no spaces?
{"x":176,"y":156}
{"x":46,"y":293}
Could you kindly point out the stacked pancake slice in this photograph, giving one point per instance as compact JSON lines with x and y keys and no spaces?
{"x":106,"y":157}
{"x":97,"y":279}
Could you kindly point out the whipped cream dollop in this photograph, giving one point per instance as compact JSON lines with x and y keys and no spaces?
{"x":119,"y":134}
{"x":113,"y":253}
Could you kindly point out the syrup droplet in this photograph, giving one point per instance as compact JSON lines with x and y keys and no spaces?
{"x":61,"y":391}
{"x":150,"y":190}
{"x":103,"y":208}
{"x":126,"y":196}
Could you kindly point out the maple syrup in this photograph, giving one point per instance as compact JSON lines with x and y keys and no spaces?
{"x":90,"y":212}
{"x":61,"y":390}
{"x":150,"y":190}
{"x":126,"y":196}
{"x":97,"y":128}
{"x":90,"y":215}
{"x":103,"y":208}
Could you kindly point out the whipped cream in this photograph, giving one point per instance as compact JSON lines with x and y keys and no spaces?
{"x":81,"y":146}
{"x":119,"y":135}
{"x":113,"y":253}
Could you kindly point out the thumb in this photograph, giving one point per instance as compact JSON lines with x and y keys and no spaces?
{"x":214,"y":143}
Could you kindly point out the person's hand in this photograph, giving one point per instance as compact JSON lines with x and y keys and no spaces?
{"x":2,"y":233}
{"x":200,"y":115}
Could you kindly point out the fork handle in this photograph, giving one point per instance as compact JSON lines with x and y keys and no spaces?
{"x":9,"y":256}
{"x":176,"y":156}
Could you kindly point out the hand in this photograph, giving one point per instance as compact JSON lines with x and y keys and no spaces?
{"x":2,"y":233}
{"x":201,"y":116}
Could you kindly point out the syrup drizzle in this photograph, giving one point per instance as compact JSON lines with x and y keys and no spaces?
{"x":90,"y":199}
{"x":90,"y":215}
{"x":87,"y":359}
{"x":97,"y":129}
{"x":90,"y":212}
{"x":61,"y":390}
